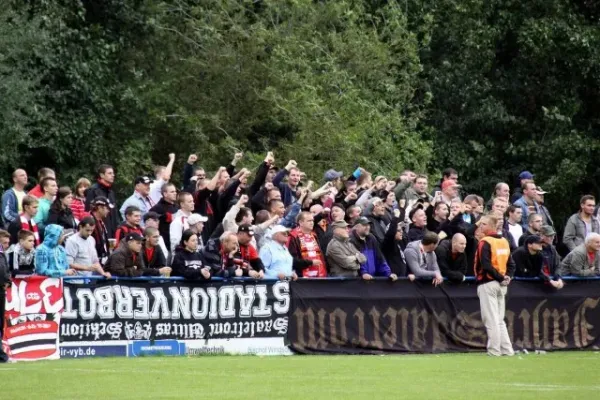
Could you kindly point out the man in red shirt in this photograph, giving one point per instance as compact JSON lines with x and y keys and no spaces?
{"x":37,"y":191}
{"x":252,"y":265}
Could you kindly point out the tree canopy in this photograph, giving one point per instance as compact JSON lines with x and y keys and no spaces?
{"x":490,"y":88}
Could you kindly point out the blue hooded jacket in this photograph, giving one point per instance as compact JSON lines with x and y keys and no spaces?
{"x":50,"y":258}
{"x":376,"y":264}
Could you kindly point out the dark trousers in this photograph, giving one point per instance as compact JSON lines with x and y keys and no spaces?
{"x":3,"y":356}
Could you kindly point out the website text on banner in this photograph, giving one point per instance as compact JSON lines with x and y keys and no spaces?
{"x":32,"y":318}
{"x":382,"y":316}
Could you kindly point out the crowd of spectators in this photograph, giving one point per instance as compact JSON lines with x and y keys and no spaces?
{"x":282,"y":225}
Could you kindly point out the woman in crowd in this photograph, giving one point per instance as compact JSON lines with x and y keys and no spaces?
{"x":78,"y":204}
{"x":187,"y":261}
{"x":60,"y":210}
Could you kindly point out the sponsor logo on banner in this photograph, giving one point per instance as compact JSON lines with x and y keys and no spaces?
{"x":159,"y":347}
{"x":109,"y":311}
{"x":32,"y":318}
{"x":93,"y":351}
{"x":251,"y":346}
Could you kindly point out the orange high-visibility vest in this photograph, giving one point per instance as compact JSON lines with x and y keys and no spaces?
{"x":500,"y":253}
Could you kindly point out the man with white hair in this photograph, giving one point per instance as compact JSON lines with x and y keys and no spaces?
{"x":276,"y":257}
{"x":584,"y":260}
{"x":451,"y":258}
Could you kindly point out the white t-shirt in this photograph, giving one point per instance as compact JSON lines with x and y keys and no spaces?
{"x":155,"y":190}
{"x":516,"y":231}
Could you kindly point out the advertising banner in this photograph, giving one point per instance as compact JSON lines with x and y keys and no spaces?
{"x":374,"y":317}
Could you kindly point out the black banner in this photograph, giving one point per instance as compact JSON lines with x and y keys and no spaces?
{"x":130,"y":310}
{"x":382,"y":316}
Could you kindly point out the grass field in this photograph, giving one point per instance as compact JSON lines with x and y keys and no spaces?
{"x":573,"y":375}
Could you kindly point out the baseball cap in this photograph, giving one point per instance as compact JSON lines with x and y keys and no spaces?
{"x":151,"y":215}
{"x":362,"y":221}
{"x":448,"y":183}
{"x":278,"y":229}
{"x":134,"y":236}
{"x":339,"y":224}
{"x":332,"y":174}
{"x":525,"y":175}
{"x":143,"y":179}
{"x":533,"y":239}
{"x":196,"y":218}
{"x":547,"y":230}
{"x":102,"y":201}
{"x":540,"y":191}
{"x":246,"y":229}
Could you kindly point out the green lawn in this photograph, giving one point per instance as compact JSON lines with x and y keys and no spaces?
{"x":572,"y":375}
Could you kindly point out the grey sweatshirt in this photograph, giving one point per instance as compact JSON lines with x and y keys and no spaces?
{"x":422,"y":265}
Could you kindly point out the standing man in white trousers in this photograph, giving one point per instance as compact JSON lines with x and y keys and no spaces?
{"x":494,"y":269}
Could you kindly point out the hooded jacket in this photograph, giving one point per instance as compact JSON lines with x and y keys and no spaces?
{"x":421,"y":264}
{"x":393,"y":250}
{"x":188,"y":264}
{"x":50,"y":258}
{"x":376,"y":265}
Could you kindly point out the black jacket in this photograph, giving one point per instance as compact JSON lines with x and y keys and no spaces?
{"x":4,"y":274}
{"x":188,"y":264}
{"x":123,"y":262}
{"x":158,"y":259}
{"x":392,"y":249}
{"x":64,"y":218}
{"x":99,"y":190}
{"x":101,"y":237}
{"x":415,"y":233}
{"x":378,"y":227}
{"x":528,"y":265}
{"x":221,"y":266}
{"x":452,"y":268}
{"x":165,"y":210}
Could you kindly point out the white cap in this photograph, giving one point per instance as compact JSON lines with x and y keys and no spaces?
{"x":195,"y":218}
{"x":278,"y":229}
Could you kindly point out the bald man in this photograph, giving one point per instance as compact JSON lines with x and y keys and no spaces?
{"x":452,"y":259}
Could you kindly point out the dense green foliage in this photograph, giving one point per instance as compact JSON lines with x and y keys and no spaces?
{"x":488,"y":87}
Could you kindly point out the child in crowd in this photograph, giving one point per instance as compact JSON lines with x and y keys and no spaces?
{"x":21,"y":256}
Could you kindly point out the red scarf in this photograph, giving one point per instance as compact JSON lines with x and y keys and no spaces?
{"x":309,"y":247}
{"x":30,"y":225}
{"x":102,"y":182}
